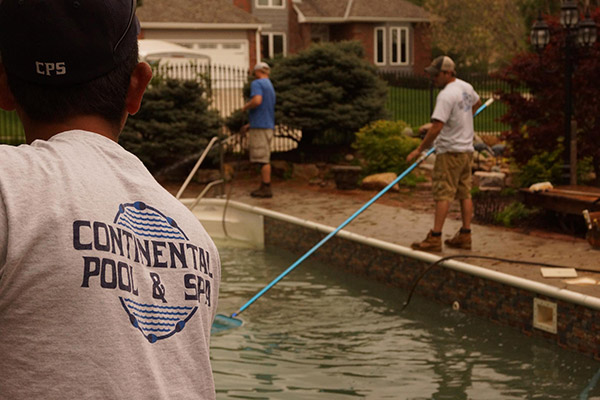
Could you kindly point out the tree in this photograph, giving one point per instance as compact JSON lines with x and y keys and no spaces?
{"x":530,"y":9}
{"x":479,"y":36}
{"x":328,"y":91}
{"x":173,"y":126}
{"x":537,"y":114}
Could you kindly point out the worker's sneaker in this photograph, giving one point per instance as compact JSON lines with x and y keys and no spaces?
{"x":462,"y":240}
{"x":263,"y":191}
{"x":431,"y":243}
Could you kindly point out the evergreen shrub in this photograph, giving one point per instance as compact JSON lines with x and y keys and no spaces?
{"x":328,"y":91}
{"x":383,"y":146}
{"x":172,"y":127}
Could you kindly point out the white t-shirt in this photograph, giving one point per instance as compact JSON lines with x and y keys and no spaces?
{"x":454,"y":107}
{"x":108,"y":284}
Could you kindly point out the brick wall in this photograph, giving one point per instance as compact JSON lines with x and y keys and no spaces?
{"x":421,"y":47}
{"x":363,"y":32}
{"x":298,"y":34}
{"x":251,"y":35}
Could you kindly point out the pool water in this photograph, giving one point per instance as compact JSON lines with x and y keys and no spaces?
{"x":324,"y":334}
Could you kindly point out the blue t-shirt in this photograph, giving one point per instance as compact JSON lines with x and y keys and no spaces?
{"x":263,"y":116}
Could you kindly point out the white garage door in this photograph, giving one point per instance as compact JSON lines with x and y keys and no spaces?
{"x":226,"y":53}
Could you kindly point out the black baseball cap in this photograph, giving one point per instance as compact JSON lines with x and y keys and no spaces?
{"x":66,"y":42}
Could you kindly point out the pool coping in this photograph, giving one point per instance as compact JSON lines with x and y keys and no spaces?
{"x":574,"y":317}
{"x":482,"y":272}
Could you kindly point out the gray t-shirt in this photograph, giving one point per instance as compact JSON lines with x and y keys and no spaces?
{"x":454,"y":107}
{"x":108,"y":284}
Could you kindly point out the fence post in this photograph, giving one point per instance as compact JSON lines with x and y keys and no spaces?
{"x":430,"y":97}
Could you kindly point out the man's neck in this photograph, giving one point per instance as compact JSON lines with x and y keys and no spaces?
{"x":450,"y":80}
{"x":43,"y":130}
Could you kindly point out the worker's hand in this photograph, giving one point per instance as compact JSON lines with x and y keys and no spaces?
{"x":424,"y":128}
{"x":413,"y":154}
{"x":244,"y":130}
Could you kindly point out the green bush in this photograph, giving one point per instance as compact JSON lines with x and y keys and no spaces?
{"x":512,"y":213}
{"x":384,"y":147}
{"x":172,"y":127}
{"x":585,"y":169}
{"x":236,"y":120}
{"x":541,"y":168}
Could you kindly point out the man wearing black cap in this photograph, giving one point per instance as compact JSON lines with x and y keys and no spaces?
{"x":451,"y":133}
{"x":108,"y":285}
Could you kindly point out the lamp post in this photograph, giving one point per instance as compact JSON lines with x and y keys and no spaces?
{"x":578,"y":33}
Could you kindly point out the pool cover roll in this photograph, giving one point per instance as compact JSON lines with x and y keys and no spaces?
{"x":223,"y":323}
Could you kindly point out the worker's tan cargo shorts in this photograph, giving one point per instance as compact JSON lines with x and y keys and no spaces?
{"x":452,"y":176}
{"x":260,"y":145}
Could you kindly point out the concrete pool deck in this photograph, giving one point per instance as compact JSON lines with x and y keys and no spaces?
{"x":388,"y":221}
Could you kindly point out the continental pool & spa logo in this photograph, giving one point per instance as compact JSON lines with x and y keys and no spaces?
{"x":158,"y":276}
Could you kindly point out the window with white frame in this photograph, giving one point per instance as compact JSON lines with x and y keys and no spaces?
{"x":399,"y":46}
{"x":270,"y":3}
{"x":379,"y":46}
{"x":272,"y":44}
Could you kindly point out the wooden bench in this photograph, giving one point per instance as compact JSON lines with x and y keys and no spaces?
{"x":566,"y":201}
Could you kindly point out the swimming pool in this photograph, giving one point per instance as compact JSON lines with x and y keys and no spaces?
{"x":324,"y":334}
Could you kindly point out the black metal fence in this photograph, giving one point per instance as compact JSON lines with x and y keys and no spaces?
{"x":11,"y":130}
{"x":410,"y":98}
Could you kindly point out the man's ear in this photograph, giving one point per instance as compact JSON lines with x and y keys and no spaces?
{"x":7,"y":100}
{"x":140,"y":77}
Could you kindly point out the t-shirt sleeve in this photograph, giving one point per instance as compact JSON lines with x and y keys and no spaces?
{"x":255,"y":89}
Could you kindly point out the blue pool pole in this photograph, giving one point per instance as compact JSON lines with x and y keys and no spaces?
{"x":484,"y":105}
{"x":326,"y":238}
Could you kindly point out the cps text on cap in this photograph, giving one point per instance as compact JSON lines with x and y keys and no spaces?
{"x":66,"y":42}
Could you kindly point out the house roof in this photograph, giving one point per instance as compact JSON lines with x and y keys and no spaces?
{"x":192,"y":13}
{"x":359,"y":10}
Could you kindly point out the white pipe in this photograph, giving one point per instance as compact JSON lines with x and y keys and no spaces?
{"x":201,"y":195}
{"x":485,"y":273}
{"x":195,"y":169}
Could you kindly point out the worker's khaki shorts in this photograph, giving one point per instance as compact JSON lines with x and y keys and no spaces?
{"x":259,"y":143}
{"x":452,"y":176}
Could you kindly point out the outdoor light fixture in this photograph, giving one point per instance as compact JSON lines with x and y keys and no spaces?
{"x":582,"y":34}
{"x":587,"y":32}
{"x":540,"y":33}
{"x":569,"y":14}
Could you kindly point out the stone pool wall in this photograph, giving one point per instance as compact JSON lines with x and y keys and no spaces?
{"x":577,"y":327}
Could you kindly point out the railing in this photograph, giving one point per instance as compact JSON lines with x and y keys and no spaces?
{"x":11,"y":130}
{"x":411,"y":98}
{"x":224,"y":84}
{"x":195,"y":169}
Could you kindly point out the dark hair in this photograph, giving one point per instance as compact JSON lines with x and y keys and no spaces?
{"x":104,"y":96}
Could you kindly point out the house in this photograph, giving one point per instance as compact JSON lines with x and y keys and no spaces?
{"x":395,"y":33}
{"x":225,"y":33}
